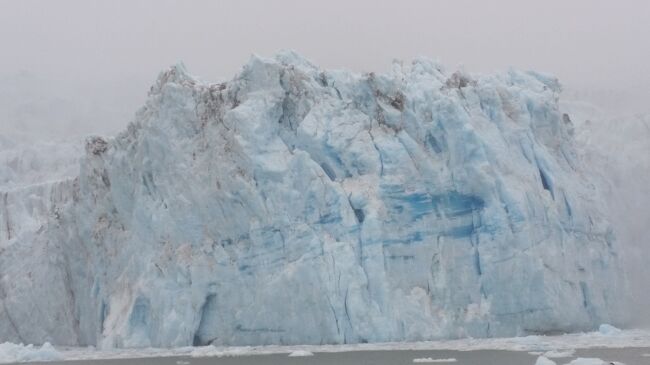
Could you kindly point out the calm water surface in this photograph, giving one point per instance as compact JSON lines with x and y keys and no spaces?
{"x":629,"y":356}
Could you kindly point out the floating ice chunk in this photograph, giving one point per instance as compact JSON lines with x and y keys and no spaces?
{"x":608,"y":330}
{"x":10,"y":353}
{"x":430,"y":360}
{"x":543,"y":360}
{"x":301,"y":353}
{"x":205,"y":351}
{"x":592,"y":361}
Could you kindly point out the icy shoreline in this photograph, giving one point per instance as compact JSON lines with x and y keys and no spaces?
{"x":624,"y":339}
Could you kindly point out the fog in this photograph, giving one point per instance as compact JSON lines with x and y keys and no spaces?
{"x":93,"y":61}
{"x":75,"y":67}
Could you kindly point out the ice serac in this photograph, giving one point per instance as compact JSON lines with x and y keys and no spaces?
{"x":296,"y":205}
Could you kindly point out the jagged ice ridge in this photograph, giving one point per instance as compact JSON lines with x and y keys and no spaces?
{"x":294,"y":205}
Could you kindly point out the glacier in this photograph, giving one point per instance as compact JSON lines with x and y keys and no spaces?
{"x":295,"y":205}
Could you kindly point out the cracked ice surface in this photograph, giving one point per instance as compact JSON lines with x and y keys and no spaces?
{"x":294,"y":205}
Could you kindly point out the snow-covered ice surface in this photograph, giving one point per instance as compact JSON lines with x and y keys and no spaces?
{"x":299,"y":205}
{"x":11,"y":353}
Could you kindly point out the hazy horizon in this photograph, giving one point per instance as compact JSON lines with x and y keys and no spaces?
{"x":94,"y":61}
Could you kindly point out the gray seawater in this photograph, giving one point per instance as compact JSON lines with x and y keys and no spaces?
{"x":629,"y":356}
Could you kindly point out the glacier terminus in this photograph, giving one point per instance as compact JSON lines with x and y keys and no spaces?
{"x":295,"y":205}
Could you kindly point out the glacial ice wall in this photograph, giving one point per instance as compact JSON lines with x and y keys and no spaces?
{"x":618,"y":153}
{"x":298,"y":205}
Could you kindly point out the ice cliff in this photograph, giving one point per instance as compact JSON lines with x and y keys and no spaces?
{"x":298,"y":205}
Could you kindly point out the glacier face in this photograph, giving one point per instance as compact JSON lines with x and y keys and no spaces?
{"x":296,"y":205}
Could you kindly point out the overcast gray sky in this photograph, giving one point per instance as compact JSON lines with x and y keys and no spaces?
{"x":99,"y":57}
